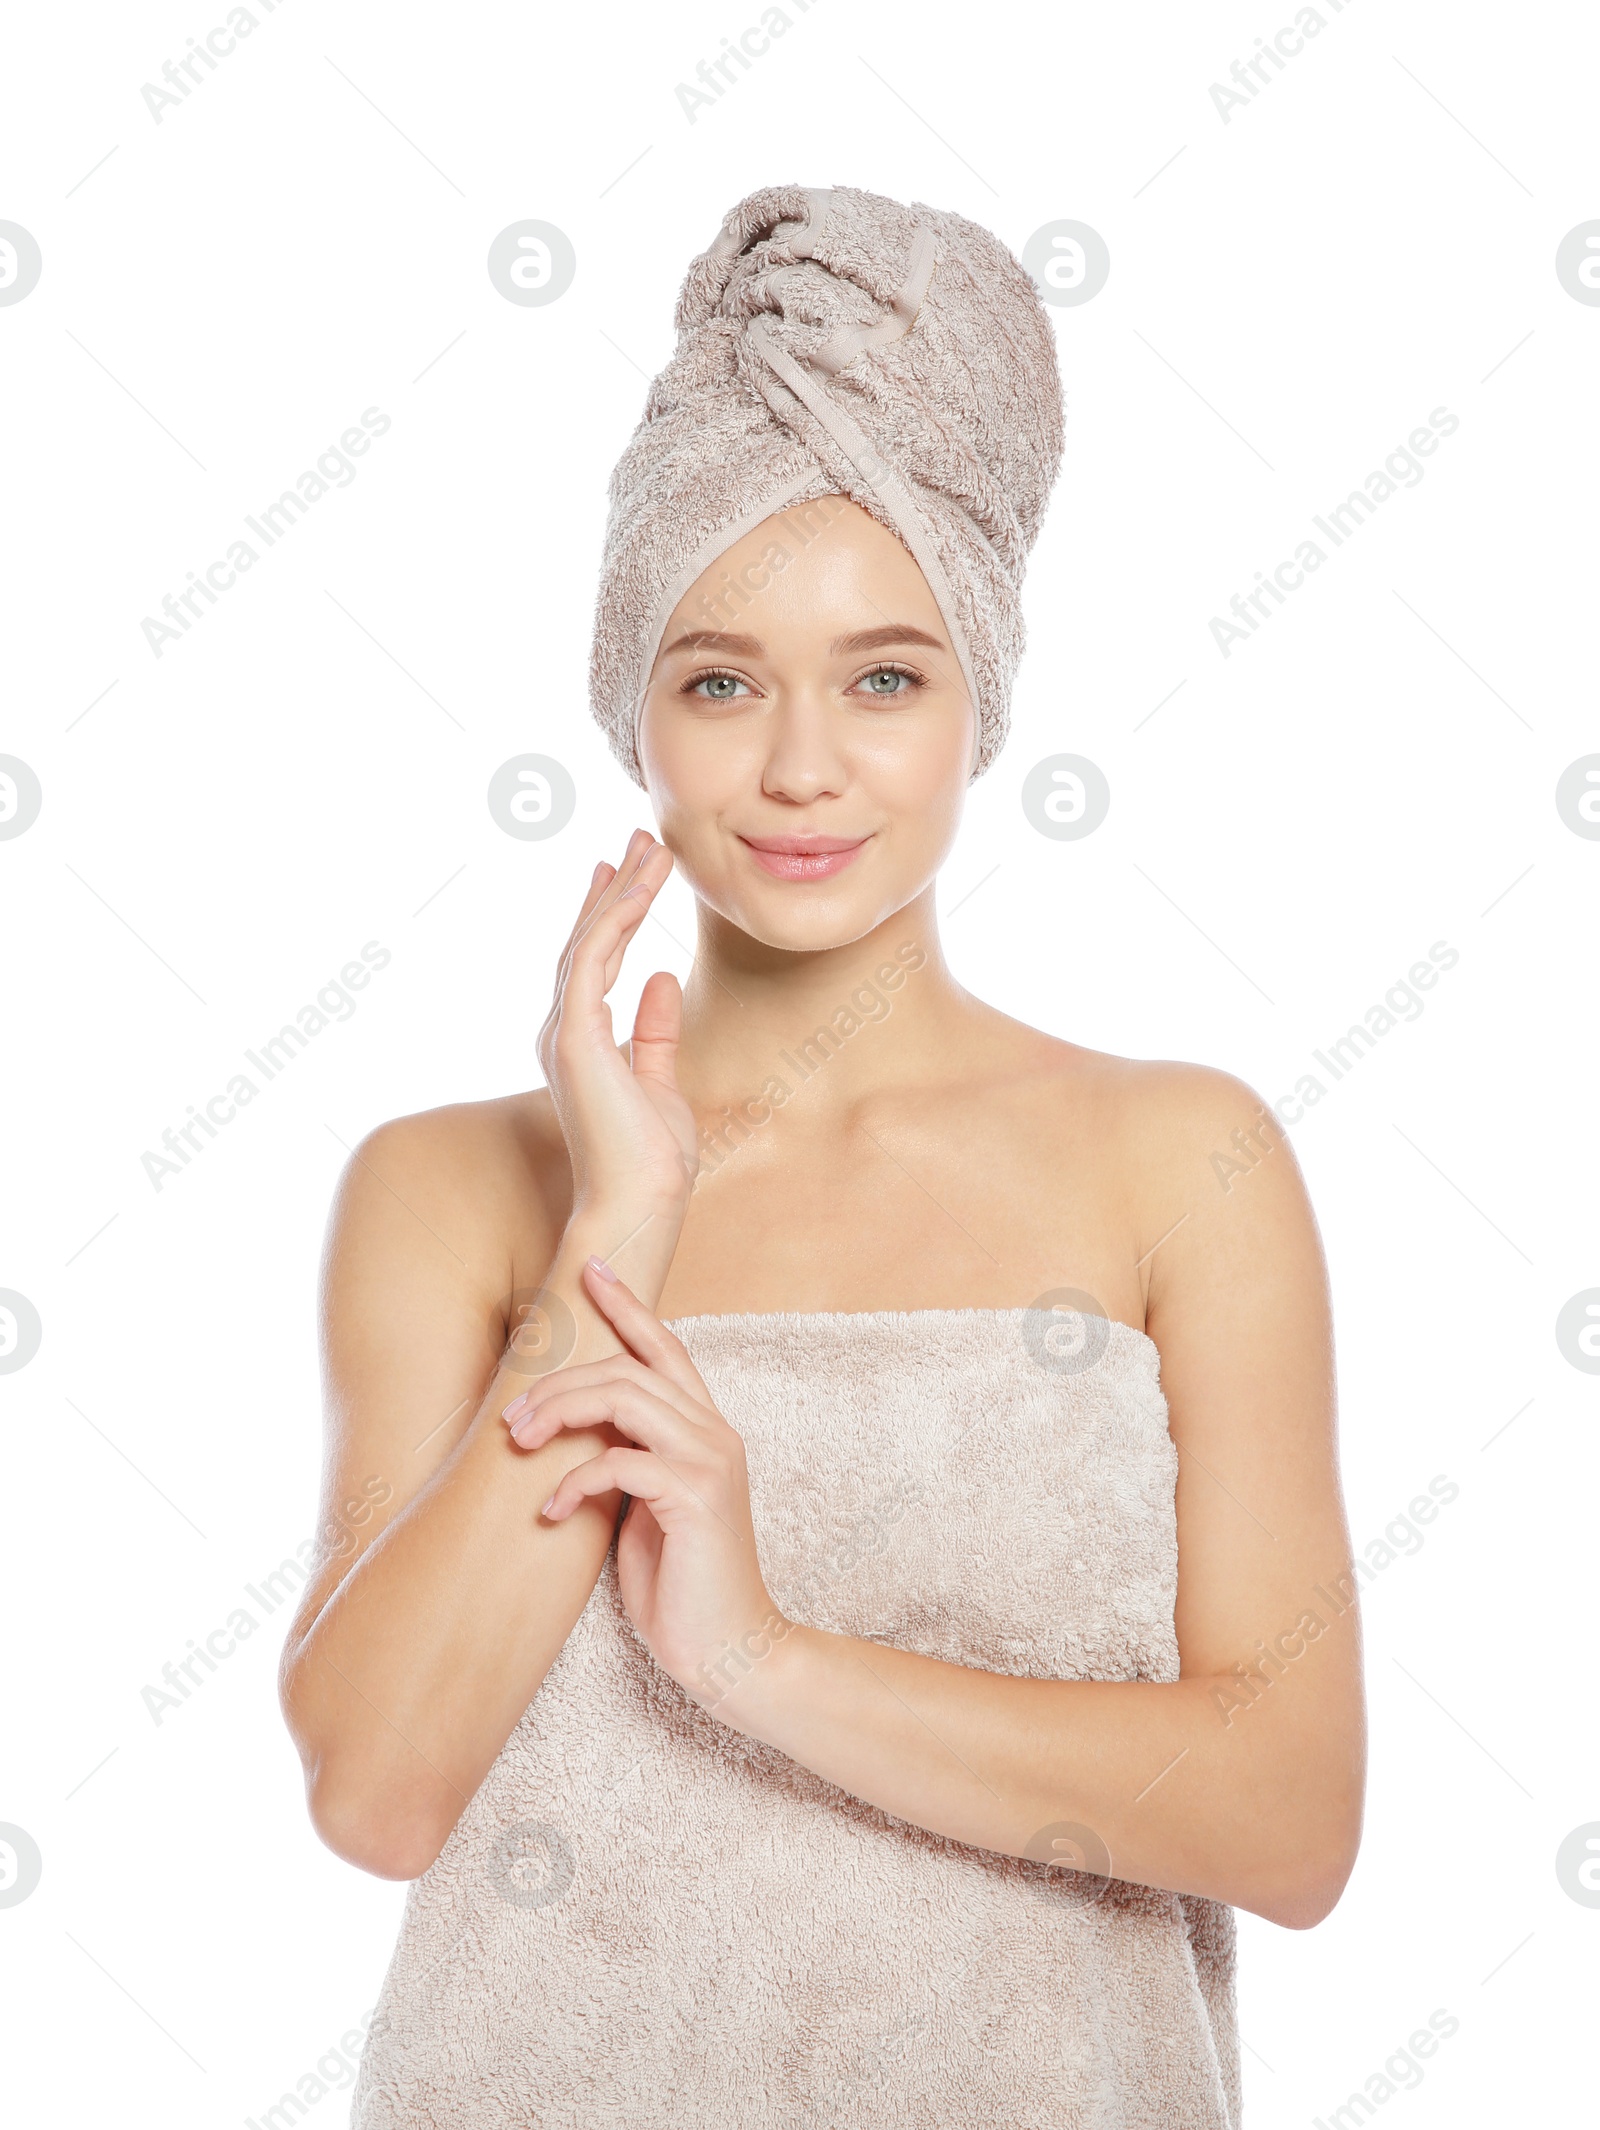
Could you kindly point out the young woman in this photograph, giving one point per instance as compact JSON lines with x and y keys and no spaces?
{"x":856,"y":1599}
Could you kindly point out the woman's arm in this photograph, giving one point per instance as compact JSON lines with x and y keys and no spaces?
{"x":426,"y":1630}
{"x":1243,"y":1779}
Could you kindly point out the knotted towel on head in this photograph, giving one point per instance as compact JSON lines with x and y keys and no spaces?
{"x":838,"y":343}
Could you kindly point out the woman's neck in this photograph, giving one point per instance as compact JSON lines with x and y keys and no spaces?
{"x":883,"y":1009}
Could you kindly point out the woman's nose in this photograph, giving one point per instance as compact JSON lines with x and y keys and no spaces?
{"x":805,"y":756}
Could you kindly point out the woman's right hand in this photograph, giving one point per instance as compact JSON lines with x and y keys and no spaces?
{"x":630,"y":1133}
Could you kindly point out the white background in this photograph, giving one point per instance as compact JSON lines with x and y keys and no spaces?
{"x":1372,"y":237}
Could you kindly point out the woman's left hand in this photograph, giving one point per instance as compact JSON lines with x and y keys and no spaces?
{"x":687,"y":1566}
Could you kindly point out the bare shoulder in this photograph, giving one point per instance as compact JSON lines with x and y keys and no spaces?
{"x":468,"y":1139}
{"x":1178,"y":1120}
{"x":1171,"y":1145}
{"x":419,"y":1265}
{"x":1156,"y":1117}
{"x":417,"y":1277}
{"x":444,"y":1203}
{"x":1211,"y":1204}
{"x":1227,"y":1232}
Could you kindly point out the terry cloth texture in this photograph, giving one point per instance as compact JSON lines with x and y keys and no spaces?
{"x":646,"y":1919}
{"x":838,"y":343}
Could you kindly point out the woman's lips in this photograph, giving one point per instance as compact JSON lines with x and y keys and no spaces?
{"x":802,"y":857}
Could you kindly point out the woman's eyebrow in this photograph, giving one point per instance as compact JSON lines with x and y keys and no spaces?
{"x":892,"y":632}
{"x":735,"y":645}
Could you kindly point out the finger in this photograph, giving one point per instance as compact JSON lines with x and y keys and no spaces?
{"x":601,"y":878}
{"x":594,"y":956}
{"x":597,"y":953}
{"x":605,"y":879}
{"x":638,"y":1414}
{"x":645,"y":1539}
{"x":642,"y":1332}
{"x":657,"y":1026}
{"x":639,"y":846}
{"x":615,"y":1368}
{"x":636,"y":1472}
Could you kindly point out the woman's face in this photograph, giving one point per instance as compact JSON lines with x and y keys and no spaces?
{"x":807,"y":736}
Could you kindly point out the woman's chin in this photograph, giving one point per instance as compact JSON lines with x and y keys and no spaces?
{"x":805,"y":931}
{"x":800,"y":919}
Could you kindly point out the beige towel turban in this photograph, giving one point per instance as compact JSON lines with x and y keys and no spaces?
{"x":838,"y":343}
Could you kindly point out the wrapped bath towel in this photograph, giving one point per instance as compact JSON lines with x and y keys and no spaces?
{"x":645,"y":1920}
{"x":837,"y":343}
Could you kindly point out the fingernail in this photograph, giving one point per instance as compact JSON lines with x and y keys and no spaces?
{"x":517,"y":1407}
{"x":598,"y":1265}
{"x":545,"y":1511}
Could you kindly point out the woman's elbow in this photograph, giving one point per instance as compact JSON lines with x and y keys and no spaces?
{"x":1306,"y":1902}
{"x":1307,"y":1887}
{"x":367,"y":1810}
{"x":393,"y":1838}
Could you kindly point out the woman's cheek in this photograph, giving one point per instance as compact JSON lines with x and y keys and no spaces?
{"x":693,"y":767}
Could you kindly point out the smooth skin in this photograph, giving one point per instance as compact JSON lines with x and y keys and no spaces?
{"x":947,"y":1157}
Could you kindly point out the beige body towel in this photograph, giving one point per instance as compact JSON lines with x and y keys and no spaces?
{"x":644,"y":1918}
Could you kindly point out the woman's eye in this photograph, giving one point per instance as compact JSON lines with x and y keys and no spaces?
{"x":718,"y":687}
{"x":887,"y":680}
